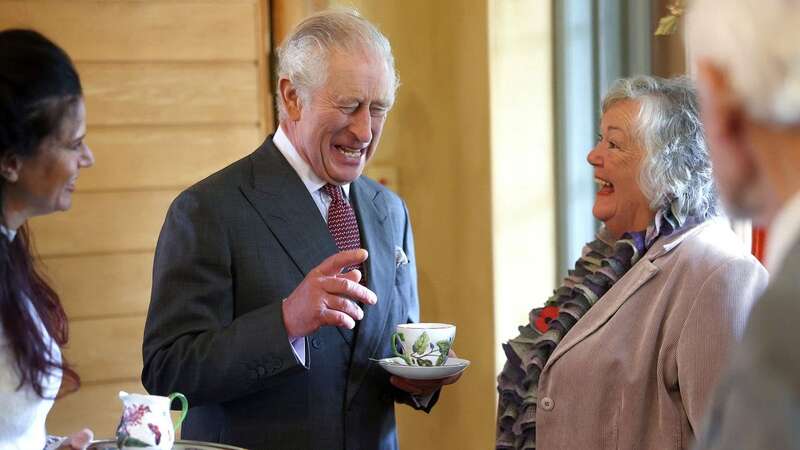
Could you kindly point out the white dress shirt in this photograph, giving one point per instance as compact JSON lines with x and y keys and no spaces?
{"x":782,"y":234}
{"x":314,"y":184}
{"x":310,"y":179}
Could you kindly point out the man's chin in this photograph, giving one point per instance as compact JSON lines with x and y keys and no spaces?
{"x":346,"y":176}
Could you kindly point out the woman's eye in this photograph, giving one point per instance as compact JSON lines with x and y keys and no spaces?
{"x":611,"y":144}
{"x":78,"y":145}
{"x":378,"y":112}
{"x":599,"y":138}
{"x":349,"y":109}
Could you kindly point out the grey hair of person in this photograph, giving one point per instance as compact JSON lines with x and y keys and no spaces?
{"x":676,"y":169}
{"x":304,"y":55}
{"x":754,"y":43}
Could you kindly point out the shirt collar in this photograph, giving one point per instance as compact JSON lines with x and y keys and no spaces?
{"x":9,"y":234}
{"x":310,"y":179}
{"x":783,"y":231}
{"x":665,"y":244}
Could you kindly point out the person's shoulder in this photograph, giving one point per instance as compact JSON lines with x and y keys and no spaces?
{"x":712,"y":248}
{"x":218,"y":188}
{"x":786,"y":280}
{"x":714,"y":239}
{"x":391,"y":197}
{"x":230,"y":176}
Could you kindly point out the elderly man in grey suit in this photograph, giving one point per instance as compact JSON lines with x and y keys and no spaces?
{"x":748,"y":68}
{"x":266,"y":308}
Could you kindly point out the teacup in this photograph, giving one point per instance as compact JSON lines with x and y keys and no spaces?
{"x":146,"y":422}
{"x":423,"y":344}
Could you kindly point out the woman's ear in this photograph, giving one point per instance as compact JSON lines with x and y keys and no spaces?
{"x":10,"y":166}
{"x":290,"y":99}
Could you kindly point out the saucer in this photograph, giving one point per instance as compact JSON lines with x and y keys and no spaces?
{"x":396,"y":366}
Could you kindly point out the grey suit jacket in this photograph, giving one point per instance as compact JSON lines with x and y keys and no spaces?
{"x":231,"y":248}
{"x":757,"y":406}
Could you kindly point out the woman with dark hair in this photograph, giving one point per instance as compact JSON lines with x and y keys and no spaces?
{"x":42,"y":149}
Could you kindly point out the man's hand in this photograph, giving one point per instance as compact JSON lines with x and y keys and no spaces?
{"x":325,"y":296}
{"x":424,"y":387}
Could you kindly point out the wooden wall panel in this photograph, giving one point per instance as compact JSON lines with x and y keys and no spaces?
{"x":175,"y":90}
{"x":146,"y":157}
{"x":103,"y":349}
{"x":104,"y":223}
{"x":119,"y":285}
{"x":154,"y":94}
{"x":143,"y":31}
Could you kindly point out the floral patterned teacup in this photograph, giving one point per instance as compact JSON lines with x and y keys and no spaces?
{"x":423,"y":344}
{"x":146,"y":423}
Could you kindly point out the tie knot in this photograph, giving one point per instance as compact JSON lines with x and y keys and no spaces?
{"x":335,"y":192}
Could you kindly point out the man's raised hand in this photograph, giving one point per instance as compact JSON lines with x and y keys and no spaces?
{"x":326,"y":296}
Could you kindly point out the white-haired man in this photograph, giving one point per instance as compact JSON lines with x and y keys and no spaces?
{"x":747,"y":56}
{"x":252,"y":314}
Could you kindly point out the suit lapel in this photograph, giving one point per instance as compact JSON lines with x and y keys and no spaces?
{"x":606,"y":307}
{"x":376,"y":231}
{"x":286,"y":207}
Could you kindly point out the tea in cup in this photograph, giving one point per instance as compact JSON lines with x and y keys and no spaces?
{"x":423,"y":344}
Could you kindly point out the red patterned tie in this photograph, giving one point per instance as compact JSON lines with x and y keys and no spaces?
{"x":342,"y":223}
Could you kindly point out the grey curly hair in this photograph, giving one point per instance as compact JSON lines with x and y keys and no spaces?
{"x":303,"y":56}
{"x":676,"y":169}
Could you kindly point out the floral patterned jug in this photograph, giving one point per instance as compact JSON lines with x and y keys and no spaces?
{"x":146,"y":423}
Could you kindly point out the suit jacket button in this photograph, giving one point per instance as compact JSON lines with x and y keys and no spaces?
{"x":315,"y":342}
{"x":548,"y":404}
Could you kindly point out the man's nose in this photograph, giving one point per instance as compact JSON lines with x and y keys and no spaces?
{"x":361,"y":125}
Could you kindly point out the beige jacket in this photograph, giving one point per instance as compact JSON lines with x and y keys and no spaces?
{"x":637,"y":370}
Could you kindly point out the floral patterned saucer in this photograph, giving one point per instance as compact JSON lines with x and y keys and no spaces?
{"x":396,"y":366}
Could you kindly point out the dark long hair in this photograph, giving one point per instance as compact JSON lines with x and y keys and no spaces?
{"x":39,"y":89}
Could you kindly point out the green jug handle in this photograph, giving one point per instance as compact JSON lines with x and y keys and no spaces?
{"x":184,"y":407}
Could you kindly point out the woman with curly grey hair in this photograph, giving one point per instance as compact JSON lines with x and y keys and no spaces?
{"x":626,"y":352}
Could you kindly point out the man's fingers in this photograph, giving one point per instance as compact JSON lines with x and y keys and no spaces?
{"x":452,"y":379}
{"x":346,"y":306}
{"x":343,"y":287}
{"x":353,"y":275}
{"x":336,"y":318}
{"x":335,"y":263}
{"x":403,"y":384}
{"x":419,"y":387}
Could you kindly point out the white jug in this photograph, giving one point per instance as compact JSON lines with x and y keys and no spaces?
{"x":146,"y":423}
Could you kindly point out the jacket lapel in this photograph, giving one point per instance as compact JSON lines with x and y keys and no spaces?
{"x":286,"y":207}
{"x":612,"y":301}
{"x":376,"y":231}
{"x":605,"y":308}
